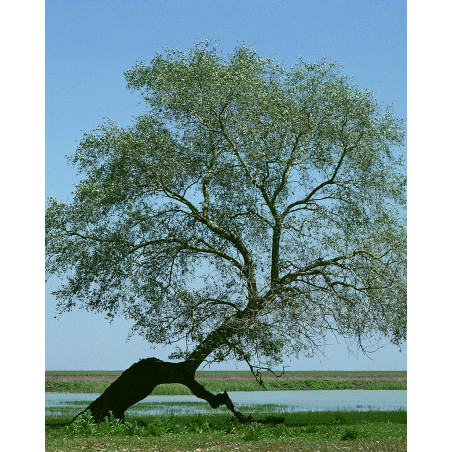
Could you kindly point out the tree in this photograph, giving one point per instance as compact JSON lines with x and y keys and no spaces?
{"x":251,"y":210}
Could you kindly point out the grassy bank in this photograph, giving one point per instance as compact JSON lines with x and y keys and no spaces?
{"x":220,"y":386}
{"x":312,"y":431}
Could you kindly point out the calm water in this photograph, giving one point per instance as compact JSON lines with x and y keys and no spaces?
{"x":262,"y":401}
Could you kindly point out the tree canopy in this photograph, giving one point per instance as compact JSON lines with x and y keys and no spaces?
{"x":249,"y":211}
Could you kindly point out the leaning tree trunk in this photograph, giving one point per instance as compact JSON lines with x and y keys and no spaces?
{"x":140,"y":379}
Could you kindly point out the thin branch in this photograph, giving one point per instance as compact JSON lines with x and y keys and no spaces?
{"x":330,"y":181}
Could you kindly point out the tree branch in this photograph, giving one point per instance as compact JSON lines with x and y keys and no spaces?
{"x":330,"y":181}
{"x":248,"y":267}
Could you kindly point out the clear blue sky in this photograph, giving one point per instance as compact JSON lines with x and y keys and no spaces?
{"x":90,"y":43}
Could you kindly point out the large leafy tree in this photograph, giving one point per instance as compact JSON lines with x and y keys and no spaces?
{"x":251,"y":210}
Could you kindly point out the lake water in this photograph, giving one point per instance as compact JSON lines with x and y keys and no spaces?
{"x":257,"y":401}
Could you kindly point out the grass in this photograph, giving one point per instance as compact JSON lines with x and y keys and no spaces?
{"x":312,"y":431}
{"x":70,"y":409}
{"x":220,"y":386}
{"x":246,"y":375}
{"x":214,"y":430}
{"x":84,"y":372}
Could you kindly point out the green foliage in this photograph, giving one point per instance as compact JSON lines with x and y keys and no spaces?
{"x":163,"y":425}
{"x":350,"y":434}
{"x":251,"y":209}
{"x":199,"y":426}
{"x":85,"y":425}
{"x":231,"y":426}
{"x":253,"y":432}
{"x":299,"y":427}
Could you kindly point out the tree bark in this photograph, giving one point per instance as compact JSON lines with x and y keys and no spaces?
{"x":140,"y":379}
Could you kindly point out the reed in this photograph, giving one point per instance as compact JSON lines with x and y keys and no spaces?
{"x":232,"y":385}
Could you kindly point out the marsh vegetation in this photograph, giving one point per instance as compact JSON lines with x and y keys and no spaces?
{"x":312,"y":431}
{"x":219,"y":381}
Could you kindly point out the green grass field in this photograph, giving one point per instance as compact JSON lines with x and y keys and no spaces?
{"x":216,"y":431}
{"x":220,"y":386}
{"x":312,"y":431}
{"x":98,"y":381}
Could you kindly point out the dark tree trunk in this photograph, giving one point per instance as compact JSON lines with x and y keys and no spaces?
{"x":140,"y":379}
